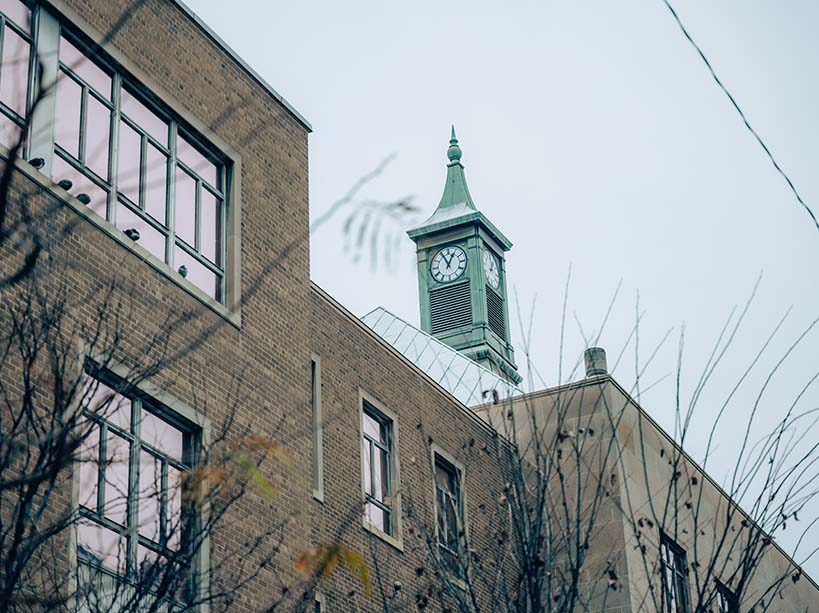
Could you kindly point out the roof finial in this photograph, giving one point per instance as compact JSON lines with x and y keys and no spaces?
{"x":454,"y":151}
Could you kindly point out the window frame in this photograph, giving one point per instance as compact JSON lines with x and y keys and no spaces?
{"x":448,"y":462}
{"x":51,"y":21}
{"x":129,"y":532}
{"x":727,"y":600}
{"x":102,"y":365}
{"x":678,"y":567}
{"x":174,"y":243}
{"x":369,"y":405}
{"x":31,"y":38}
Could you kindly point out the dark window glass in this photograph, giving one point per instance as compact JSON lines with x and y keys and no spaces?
{"x":450,"y":514}
{"x":727,"y":601}
{"x":674,"y":576}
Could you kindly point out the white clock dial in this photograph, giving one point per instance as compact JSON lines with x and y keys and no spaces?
{"x":448,"y":264}
{"x":490,"y":269}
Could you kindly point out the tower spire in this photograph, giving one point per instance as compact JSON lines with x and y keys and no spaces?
{"x":456,"y":191}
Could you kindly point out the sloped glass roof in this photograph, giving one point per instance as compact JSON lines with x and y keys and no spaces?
{"x":465,"y":379}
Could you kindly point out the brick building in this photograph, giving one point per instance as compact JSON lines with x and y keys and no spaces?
{"x":233,"y":423}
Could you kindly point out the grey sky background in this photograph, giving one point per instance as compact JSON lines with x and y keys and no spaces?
{"x":593,"y":137}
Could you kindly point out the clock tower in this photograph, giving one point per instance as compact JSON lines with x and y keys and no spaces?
{"x":462,"y":275}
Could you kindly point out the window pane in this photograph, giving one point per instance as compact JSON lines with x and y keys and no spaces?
{"x":67,"y":125}
{"x":197,"y":162}
{"x":82,"y":185}
{"x":379,"y":473}
{"x":150,"y":499}
{"x":89,"y":468}
{"x":117,"y":461}
{"x":443,"y":477}
{"x":98,"y":126}
{"x":366,"y":468}
{"x":211,"y":213}
{"x":451,"y":513}
{"x":149,"y":237}
{"x":162,"y":435}
{"x":156,"y":173}
{"x":14,"y":73}
{"x":104,"y":402}
{"x":198,"y":274}
{"x":100,"y":546}
{"x":85,"y":68}
{"x":9,"y":133}
{"x":377,"y":517}
{"x":128,"y":163}
{"x":185,"y":207}
{"x":372,"y":427}
{"x":144,"y":118}
{"x":18,"y":12}
{"x":173,"y":511}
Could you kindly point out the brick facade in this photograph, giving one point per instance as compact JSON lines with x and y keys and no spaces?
{"x":244,"y":367}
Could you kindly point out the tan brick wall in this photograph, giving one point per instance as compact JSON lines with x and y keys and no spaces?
{"x":266,"y":361}
{"x":353,"y":359}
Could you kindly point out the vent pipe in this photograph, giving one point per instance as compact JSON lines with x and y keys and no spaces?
{"x":595,"y":362}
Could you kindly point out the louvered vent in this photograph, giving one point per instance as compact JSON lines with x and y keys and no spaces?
{"x":450,"y":307}
{"x":494,"y":307}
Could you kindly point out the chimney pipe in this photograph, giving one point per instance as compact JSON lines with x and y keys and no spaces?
{"x":595,"y":361}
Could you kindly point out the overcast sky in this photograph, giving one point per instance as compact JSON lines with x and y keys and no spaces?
{"x":593,"y":137}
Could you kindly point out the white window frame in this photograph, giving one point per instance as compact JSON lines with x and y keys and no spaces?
{"x":396,"y":538}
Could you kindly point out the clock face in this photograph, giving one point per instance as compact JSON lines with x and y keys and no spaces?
{"x":448,"y":264}
{"x":490,"y":269}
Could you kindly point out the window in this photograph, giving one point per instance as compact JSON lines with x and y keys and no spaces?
{"x":377,"y":469}
{"x":727,"y":601}
{"x":141,"y":169}
{"x":132,"y":469}
{"x":674,"y":576}
{"x":449,"y":511}
{"x":318,"y":452}
{"x":15,"y":69}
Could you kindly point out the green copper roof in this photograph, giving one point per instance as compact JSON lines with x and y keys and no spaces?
{"x":456,"y":206}
{"x":455,"y":190}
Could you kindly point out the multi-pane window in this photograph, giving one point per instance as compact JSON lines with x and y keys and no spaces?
{"x":140,"y":167}
{"x":727,"y":601}
{"x":15,"y":65}
{"x":449,"y":511}
{"x":674,"y":576}
{"x":134,"y":463}
{"x":376,"y":468}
